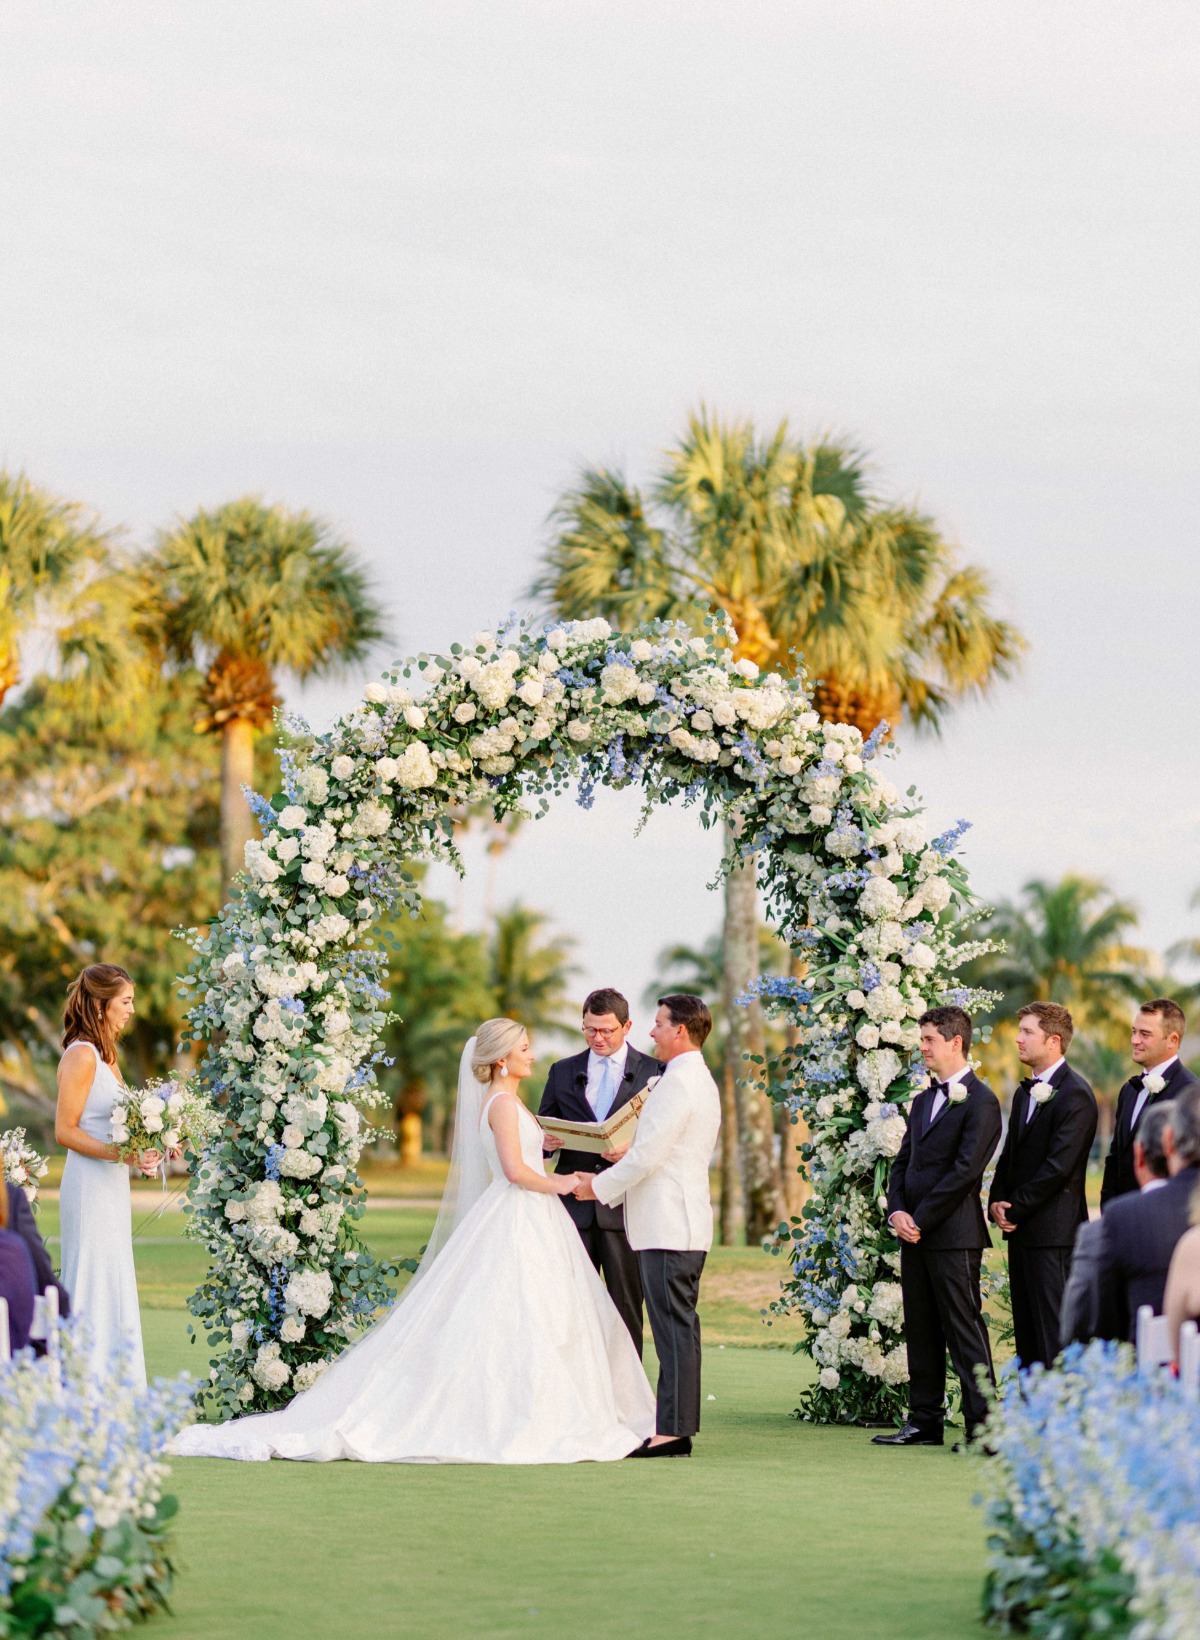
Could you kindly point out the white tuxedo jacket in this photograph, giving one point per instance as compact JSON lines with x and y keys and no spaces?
{"x":663,"y":1177}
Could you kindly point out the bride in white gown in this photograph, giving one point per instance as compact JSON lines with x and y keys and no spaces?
{"x":504,"y":1348}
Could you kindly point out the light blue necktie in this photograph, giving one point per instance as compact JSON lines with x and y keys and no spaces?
{"x":607,"y":1090}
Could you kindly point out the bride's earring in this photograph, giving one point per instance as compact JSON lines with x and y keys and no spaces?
{"x":502,"y":1068}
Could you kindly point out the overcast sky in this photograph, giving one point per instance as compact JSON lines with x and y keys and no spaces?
{"x":409,"y":264}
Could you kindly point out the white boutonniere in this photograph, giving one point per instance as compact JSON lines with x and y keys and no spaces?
{"x":1153,"y":1082}
{"x":956,"y":1092}
{"x":1042,"y":1092}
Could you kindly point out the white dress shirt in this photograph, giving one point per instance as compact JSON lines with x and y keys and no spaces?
{"x":1139,"y":1104}
{"x":1043,"y":1076}
{"x":597,"y":1070}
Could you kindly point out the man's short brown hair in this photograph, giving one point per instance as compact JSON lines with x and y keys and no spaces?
{"x":690,"y":1012}
{"x":1173,"y":1020}
{"x":607,"y":1001}
{"x":1054,"y":1019}
{"x":949,"y":1021}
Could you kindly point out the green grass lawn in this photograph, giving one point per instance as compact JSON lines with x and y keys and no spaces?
{"x":774,"y":1528}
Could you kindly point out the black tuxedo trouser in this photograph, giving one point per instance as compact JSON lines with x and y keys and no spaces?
{"x":671,"y":1283}
{"x":1037,"y":1278}
{"x":943,"y":1311}
{"x":615,"y":1259}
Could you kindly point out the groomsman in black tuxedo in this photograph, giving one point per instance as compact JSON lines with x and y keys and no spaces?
{"x":934,"y":1207}
{"x":1157,"y":1033}
{"x":1038,"y":1197}
{"x":587,"y":1088}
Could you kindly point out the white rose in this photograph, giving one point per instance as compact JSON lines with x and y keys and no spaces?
{"x":830,"y":1378}
{"x":465,"y":711}
{"x":376,"y":693}
{"x":287,"y":848}
{"x":532,"y":691}
{"x":646,"y":693}
{"x":337,"y":886}
{"x":292,"y":817}
{"x":1153,"y":1082}
{"x":702,"y":722}
{"x":640,"y":650}
{"x":292,"y":1329}
{"x":470,"y":666}
{"x":746,"y":669}
{"x":578,"y":730}
{"x":414,"y":717}
{"x":342,"y":767}
{"x":313,"y":871}
{"x":386,"y":769}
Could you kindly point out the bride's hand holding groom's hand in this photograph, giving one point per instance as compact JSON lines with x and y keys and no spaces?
{"x":565,"y":1183}
{"x":583,"y":1188}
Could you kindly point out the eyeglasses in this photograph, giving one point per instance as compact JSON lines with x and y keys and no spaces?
{"x":603,"y":1030}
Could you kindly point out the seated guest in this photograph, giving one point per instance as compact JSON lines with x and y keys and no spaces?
{"x":1140,"y":1233}
{"x":1081,"y":1299}
{"x":16,"y":1280}
{"x":1154,"y":1044}
{"x":22,"y":1223}
{"x":1182,"y":1301}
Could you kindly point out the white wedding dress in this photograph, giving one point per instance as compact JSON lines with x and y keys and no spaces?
{"x":97,"y":1240}
{"x":505,"y":1349}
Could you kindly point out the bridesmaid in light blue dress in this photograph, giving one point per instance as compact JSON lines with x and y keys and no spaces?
{"x":97,"y":1239}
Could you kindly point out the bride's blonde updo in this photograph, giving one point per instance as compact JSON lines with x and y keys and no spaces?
{"x":493,"y":1040}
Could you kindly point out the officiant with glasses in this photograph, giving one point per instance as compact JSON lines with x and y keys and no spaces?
{"x":589,"y":1087}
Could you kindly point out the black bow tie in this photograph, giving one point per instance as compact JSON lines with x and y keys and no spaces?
{"x":940,"y":1087}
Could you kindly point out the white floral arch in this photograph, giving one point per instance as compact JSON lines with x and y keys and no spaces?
{"x":286,"y":988}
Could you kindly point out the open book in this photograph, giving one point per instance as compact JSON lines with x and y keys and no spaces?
{"x":614,"y":1133}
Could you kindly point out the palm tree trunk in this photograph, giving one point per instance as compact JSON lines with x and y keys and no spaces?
{"x":731,"y":1221}
{"x":237,"y":823}
{"x":762,"y":1186}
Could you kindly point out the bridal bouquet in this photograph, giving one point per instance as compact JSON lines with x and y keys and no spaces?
{"x":20,"y":1163}
{"x":166,"y":1115}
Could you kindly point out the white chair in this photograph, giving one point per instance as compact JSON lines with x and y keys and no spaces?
{"x":1153,"y":1340}
{"x":5,"y":1350}
{"x":44,"y":1325}
{"x":1189,"y":1361}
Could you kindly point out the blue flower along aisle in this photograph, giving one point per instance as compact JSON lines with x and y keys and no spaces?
{"x":84,"y":1533}
{"x":1093,"y":1502}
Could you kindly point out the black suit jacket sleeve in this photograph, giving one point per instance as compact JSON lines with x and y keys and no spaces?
{"x":1110,"y":1185}
{"x":999,"y":1190}
{"x":981,"y":1130}
{"x":1071,"y":1140}
{"x":895,"y":1195}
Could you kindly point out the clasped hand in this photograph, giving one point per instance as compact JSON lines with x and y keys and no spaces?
{"x":906,"y":1227}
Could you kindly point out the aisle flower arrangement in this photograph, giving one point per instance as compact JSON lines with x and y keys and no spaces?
{"x":21,"y":1164}
{"x":84,"y":1522}
{"x":287,"y":991}
{"x":1093,"y":1502}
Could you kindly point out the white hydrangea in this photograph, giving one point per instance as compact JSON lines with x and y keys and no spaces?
{"x":878,"y":1069}
{"x":313,"y":784}
{"x":268,"y":1370}
{"x":887,"y":1304}
{"x":416,"y":768}
{"x":880,"y":898}
{"x":299,"y":1164}
{"x":306,"y":1376}
{"x":375,"y":819}
{"x":309,"y":1291}
{"x":618,"y":683}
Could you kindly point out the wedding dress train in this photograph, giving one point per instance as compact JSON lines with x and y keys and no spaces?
{"x":507,"y":1350}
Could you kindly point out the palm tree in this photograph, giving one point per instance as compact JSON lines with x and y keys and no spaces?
{"x":247,"y":592}
{"x":45,"y":546}
{"x":792,"y":544}
{"x":1066,"y":942}
{"x":529,"y":970}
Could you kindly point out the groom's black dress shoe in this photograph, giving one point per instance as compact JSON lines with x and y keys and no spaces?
{"x":680,"y":1447}
{"x":909,"y":1435}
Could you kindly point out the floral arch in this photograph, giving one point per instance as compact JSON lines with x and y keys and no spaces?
{"x":286,"y":985}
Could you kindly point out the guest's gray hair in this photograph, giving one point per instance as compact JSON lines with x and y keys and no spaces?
{"x":1152,"y":1124}
{"x":1185,"y":1124}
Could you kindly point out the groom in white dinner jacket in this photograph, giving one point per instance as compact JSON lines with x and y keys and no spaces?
{"x":663,"y":1180}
